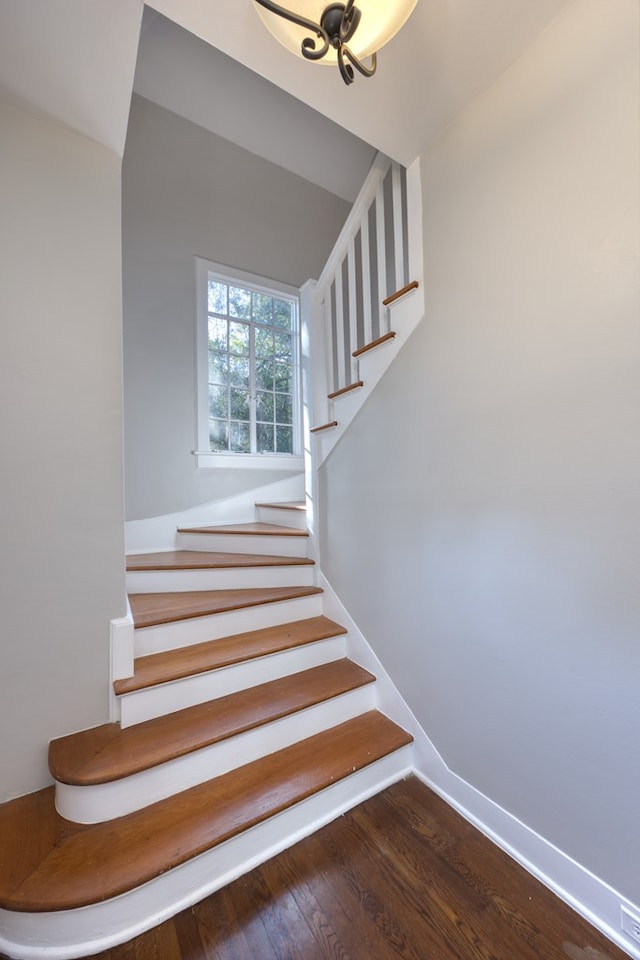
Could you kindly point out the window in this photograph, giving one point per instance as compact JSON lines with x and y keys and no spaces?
{"x":248,"y":371}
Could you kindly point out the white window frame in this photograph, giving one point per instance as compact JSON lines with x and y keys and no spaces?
{"x":205,"y":457}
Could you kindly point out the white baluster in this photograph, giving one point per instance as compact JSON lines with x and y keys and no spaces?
{"x":353,"y":311}
{"x":398,"y":231}
{"x":366,"y":280}
{"x":381,"y":257}
{"x":339,"y":327}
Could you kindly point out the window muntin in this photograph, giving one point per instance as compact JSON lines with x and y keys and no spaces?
{"x":252,"y":382}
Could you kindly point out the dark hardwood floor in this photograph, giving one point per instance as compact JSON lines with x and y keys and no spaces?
{"x":401,"y":876}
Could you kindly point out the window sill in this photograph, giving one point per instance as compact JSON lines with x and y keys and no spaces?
{"x":206,"y":460}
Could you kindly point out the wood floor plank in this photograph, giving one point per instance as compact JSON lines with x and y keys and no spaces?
{"x":203,"y":560}
{"x":451,"y":869}
{"x":201,"y":657}
{"x":525,"y":905}
{"x":231,"y":926}
{"x":446,"y":912}
{"x":151,"y":609}
{"x":349,"y":872}
{"x":284,"y":924}
{"x":326,"y":927}
{"x":108,"y":753}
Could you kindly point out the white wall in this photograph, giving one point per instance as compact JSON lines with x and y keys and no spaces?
{"x":61,"y":414}
{"x":482,"y":514}
{"x":187,"y":193}
{"x":177,"y":70}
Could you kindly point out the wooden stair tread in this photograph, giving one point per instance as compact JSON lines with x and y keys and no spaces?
{"x":109,"y":753}
{"x":324,"y":426}
{"x":344,"y":390}
{"x":171,"y":665}
{"x":202,"y":560}
{"x":256,"y":529}
{"x":374,"y":343}
{"x":400,"y":293}
{"x":151,"y":609}
{"x":285,"y":504}
{"x":49,"y":864}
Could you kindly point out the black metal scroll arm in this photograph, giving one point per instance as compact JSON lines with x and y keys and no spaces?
{"x":337,"y":25}
{"x":308,"y":44}
{"x":346,"y":69}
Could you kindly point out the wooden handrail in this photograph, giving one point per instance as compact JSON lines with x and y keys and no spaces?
{"x":343,"y":390}
{"x":324,"y":426}
{"x":374,"y":343}
{"x":400,"y":293}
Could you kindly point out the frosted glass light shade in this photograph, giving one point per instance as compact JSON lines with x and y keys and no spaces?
{"x":380,"y":21}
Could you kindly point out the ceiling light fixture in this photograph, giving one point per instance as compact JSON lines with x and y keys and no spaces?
{"x":340,"y":32}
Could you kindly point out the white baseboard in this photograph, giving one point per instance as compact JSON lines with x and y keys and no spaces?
{"x":159,"y":533}
{"x":587,"y":894}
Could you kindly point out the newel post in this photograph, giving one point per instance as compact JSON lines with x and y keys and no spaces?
{"x":314,"y":392}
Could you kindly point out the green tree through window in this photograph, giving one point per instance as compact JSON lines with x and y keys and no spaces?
{"x":252,"y":369}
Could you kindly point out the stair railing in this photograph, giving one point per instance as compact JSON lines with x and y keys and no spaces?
{"x":375,"y":263}
{"x":369,"y":263}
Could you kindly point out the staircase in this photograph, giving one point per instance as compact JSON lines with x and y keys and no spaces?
{"x":244,"y":727}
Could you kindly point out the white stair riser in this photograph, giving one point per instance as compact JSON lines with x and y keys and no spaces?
{"x":151,"y":702}
{"x":68,"y":934}
{"x":184,"y":633}
{"x":94,"y":804}
{"x":167,"y":581}
{"x":240,"y":543}
{"x":282,"y":516}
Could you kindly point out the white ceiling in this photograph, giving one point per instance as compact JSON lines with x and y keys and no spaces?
{"x":446,"y":54}
{"x":73,"y":61}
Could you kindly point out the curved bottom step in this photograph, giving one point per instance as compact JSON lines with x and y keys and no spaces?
{"x":69,"y":904}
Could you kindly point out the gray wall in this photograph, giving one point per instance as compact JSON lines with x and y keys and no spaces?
{"x":482,"y":513}
{"x":61,"y":410}
{"x":187,"y":193}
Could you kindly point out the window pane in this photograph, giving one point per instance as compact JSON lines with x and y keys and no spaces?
{"x":284,"y":440}
{"x":240,"y":437}
{"x":219,"y":435}
{"x":217,"y":333}
{"x":262,"y":308}
{"x":283,"y":346}
{"x":239,"y":338}
{"x":217,"y":297}
{"x":239,"y":404}
{"x":264,"y":374}
{"x":264,"y":433}
{"x":283,"y":378}
{"x":284,"y":408}
{"x":252,"y":367}
{"x":217,"y":367}
{"x":239,"y":302}
{"x":264,"y":342}
{"x":264,"y":406}
{"x":218,"y":402}
{"x":282,"y":313}
{"x":239,"y":371}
